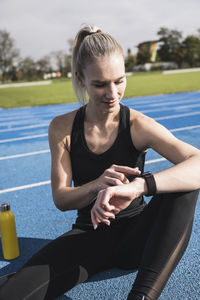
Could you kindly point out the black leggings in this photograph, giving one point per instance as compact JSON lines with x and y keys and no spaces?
{"x":152,"y":242}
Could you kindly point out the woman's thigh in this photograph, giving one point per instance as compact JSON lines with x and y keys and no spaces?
{"x":60,"y":265}
{"x":135,"y":234}
{"x":160,"y":226}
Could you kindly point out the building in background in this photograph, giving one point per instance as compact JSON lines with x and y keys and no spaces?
{"x":148,"y":48}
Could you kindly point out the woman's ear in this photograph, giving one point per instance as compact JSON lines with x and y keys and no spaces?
{"x":80,"y":79}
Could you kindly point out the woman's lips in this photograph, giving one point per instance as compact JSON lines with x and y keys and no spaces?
{"x":110,"y":103}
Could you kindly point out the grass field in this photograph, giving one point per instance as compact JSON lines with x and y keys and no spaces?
{"x":61,"y":91}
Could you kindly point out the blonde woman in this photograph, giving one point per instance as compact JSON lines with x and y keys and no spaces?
{"x":101,"y":148}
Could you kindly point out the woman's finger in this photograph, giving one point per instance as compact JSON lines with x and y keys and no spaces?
{"x":104,"y":213}
{"x":94,"y":221}
{"x":126,"y":170}
{"x":101,"y":217}
{"x":119,"y":177}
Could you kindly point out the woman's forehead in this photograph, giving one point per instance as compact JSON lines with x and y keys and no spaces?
{"x":106,"y":67}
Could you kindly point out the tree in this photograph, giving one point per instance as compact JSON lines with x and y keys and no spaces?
{"x":62,"y":61}
{"x":192,"y":50}
{"x":171,"y":44}
{"x":44,"y":66}
{"x":8,"y":53}
{"x":143,"y":57}
{"x":59,"y":60}
{"x":130,"y":62}
{"x":28,"y":69}
{"x":67,"y":64}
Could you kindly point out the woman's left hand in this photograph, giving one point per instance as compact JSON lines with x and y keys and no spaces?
{"x":112,"y":200}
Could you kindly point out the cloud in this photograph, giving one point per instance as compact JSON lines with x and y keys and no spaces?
{"x":40,"y":27}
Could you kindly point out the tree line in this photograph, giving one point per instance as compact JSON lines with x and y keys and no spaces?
{"x":15,"y":68}
{"x":172,"y":47}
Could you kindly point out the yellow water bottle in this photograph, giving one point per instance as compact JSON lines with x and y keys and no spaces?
{"x":9,"y":240}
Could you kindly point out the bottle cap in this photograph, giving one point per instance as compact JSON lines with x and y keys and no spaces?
{"x":4,"y":206}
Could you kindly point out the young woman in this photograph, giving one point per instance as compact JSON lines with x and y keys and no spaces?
{"x":101,"y":148}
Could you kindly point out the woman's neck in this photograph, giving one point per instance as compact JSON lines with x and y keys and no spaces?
{"x":95,"y":115}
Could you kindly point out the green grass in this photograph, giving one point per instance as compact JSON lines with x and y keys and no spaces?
{"x":58,"y":92}
{"x":61,"y":91}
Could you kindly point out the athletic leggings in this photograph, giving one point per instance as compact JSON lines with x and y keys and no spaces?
{"x":153,"y":242}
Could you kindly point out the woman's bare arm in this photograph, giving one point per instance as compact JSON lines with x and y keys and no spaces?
{"x":185,"y":174}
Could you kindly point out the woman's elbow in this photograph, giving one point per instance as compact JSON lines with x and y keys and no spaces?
{"x":59,"y":202}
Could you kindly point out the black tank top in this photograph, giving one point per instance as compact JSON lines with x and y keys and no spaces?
{"x":87,"y":166}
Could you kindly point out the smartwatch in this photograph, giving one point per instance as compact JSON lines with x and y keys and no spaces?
{"x":150,"y":182}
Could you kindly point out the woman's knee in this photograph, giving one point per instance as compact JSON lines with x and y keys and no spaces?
{"x":180,"y":205}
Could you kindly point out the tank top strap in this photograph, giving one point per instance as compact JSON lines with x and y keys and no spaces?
{"x":125,"y":124}
{"x":124,"y":117}
{"x":77,"y":126}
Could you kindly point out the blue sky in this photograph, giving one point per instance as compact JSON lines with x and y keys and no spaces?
{"x":42,"y":26}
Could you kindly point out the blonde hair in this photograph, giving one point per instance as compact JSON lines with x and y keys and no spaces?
{"x":90,"y":42}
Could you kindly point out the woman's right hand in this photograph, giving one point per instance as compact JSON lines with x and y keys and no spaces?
{"x":115,"y":175}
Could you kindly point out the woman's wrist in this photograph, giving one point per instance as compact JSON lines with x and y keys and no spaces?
{"x":93,"y":188}
{"x":140,"y":186}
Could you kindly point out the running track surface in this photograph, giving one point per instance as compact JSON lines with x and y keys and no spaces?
{"x":25,"y":183}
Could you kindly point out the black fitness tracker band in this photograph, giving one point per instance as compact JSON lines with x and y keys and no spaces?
{"x":151,"y":184}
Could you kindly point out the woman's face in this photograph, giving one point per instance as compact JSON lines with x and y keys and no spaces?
{"x":105,"y":81}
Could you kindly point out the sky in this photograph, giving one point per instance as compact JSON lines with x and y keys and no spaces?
{"x":42,"y":26}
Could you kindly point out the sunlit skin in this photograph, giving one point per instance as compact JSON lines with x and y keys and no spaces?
{"x":105,"y":82}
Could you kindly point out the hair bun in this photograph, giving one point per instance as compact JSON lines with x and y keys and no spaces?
{"x":91,"y":29}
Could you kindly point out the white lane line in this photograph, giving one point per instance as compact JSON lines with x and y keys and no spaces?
{"x":23,"y":123}
{"x":185,"y":128}
{"x":178,"y":116}
{"x":170,"y":108}
{"x":162,"y":98}
{"x":24,"y":117}
{"x":24,"y":187}
{"x":151,"y":161}
{"x":175,"y":102}
{"x":24,"y":127}
{"x":167,"y":102}
{"x":24,"y":154}
{"x":24,"y":138}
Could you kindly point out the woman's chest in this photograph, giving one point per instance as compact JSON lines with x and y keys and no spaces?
{"x":99,"y":140}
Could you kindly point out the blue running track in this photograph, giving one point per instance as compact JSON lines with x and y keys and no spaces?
{"x":25,"y":183}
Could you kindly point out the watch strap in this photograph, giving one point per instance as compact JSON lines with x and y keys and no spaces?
{"x":150,"y":182}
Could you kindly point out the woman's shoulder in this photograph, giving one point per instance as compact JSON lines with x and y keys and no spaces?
{"x":138,"y":119}
{"x":61,"y":126}
{"x":141,"y":127}
{"x":63,"y":122}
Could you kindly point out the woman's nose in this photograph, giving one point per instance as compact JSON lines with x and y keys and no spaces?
{"x":111,"y":92}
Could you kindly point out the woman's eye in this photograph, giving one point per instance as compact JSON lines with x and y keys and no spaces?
{"x":99,"y":85}
{"x":119,"y":82}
